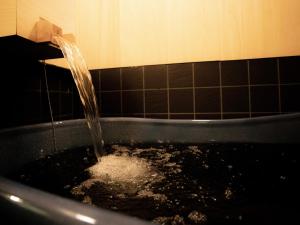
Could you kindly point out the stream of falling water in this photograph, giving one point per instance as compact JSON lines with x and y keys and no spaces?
{"x":83,"y":81}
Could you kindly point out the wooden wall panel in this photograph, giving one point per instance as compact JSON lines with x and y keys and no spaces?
{"x":117,"y":33}
{"x":8,"y":17}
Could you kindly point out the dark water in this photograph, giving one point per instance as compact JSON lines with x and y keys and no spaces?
{"x":198,"y":184}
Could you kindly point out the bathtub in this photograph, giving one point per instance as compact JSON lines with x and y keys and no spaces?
{"x":18,"y":146}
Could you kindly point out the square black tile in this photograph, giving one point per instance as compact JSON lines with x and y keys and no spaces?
{"x":54,"y":75}
{"x":182,"y":116}
{"x":110,"y":115}
{"x":290,"y":98}
{"x":264,"y":99}
{"x":289,"y":69}
{"x":132,"y":102}
{"x":235,"y":99}
{"x":234,"y":72}
{"x":156,"y":101}
{"x":207,"y":100}
{"x":156,"y":116}
{"x":31,"y":107}
{"x":66,"y":106}
{"x":155,"y":76}
{"x":77,"y":105}
{"x":10,"y":108}
{"x":111,"y":102}
{"x":207,"y":74}
{"x":110,"y":79}
{"x":30,"y":83}
{"x":29,"y":77}
{"x":208,"y":116}
{"x":132,"y":78}
{"x":67,"y":82}
{"x":95,"y":74}
{"x":55,"y":104}
{"x":263,"y":114}
{"x":263,"y":71}
{"x":181,"y":101}
{"x":99,"y":100}
{"x":45,"y":111}
{"x":180,"y":75}
{"x":65,"y":117}
{"x":236,"y":115}
{"x":9,"y":82}
{"x":25,"y":76}
{"x":136,"y":115}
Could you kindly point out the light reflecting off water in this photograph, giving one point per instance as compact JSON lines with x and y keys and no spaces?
{"x":83,"y":81}
{"x":85,"y":219}
{"x":15,"y":199}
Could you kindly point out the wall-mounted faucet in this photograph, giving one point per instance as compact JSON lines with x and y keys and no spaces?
{"x":44,"y":31}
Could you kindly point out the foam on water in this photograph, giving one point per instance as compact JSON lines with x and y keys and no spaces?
{"x":122,"y":173}
{"x":123,"y":169}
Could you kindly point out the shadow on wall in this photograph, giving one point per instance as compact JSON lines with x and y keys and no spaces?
{"x":23,"y":93}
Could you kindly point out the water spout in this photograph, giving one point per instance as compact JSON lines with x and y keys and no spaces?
{"x":83,"y":81}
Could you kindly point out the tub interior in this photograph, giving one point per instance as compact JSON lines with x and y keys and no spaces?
{"x":216,"y":183}
{"x":244,"y":175}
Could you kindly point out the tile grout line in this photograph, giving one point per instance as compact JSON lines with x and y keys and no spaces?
{"x":249,"y":89}
{"x":204,"y":113}
{"x":41,"y":99}
{"x":72,"y":101}
{"x":144,"y":97}
{"x":59,"y":97}
{"x":279,"y":86}
{"x":121,"y":91}
{"x":100,"y":94}
{"x":221,"y":95}
{"x":168,"y":92}
{"x":188,"y":88}
{"x":194,"y":97}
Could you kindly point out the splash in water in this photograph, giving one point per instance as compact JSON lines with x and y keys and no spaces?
{"x":83,"y":81}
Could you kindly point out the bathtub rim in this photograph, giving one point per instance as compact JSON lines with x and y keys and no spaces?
{"x":203,"y":122}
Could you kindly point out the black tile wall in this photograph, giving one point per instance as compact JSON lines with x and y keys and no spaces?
{"x":207,"y":90}
{"x":156,"y":116}
{"x":208,"y":116}
{"x":181,"y":101}
{"x":156,"y":101}
{"x":289,"y":69}
{"x":263,"y":71}
{"x":290,"y":95}
{"x":188,"y":116}
{"x":201,"y":90}
{"x":234,"y":72}
{"x":207,"y":74}
{"x":264,"y":99}
{"x":155,"y":76}
{"x":180,"y":75}
{"x":132,"y":78}
{"x":110,"y":79}
{"x":235,"y":115}
{"x":111,"y":103}
{"x":235,"y":99}
{"x":207,"y":100}
{"x":23,"y":94}
{"x":95,"y":74}
{"x":132,"y":102}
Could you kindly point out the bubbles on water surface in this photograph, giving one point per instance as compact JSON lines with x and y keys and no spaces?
{"x":196,"y":184}
{"x":153,"y":175}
